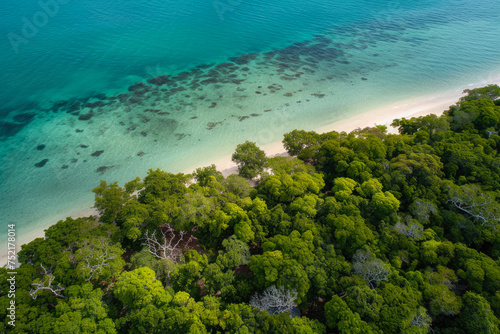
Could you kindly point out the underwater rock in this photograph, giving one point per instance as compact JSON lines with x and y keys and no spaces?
{"x":318,"y":95}
{"x":97,"y":153}
{"x":209,"y":81}
{"x":140,"y":154}
{"x":123,"y":97}
{"x":213,"y":105}
{"x":83,"y":146}
{"x":254,"y":115}
{"x":194,"y":117}
{"x":85,"y":117}
{"x":364,"y":79}
{"x":179,"y":89}
{"x":134,"y":100}
{"x":180,"y":135}
{"x":24,"y":118}
{"x":243,"y":59}
{"x":144,"y":133}
{"x":211,"y":125}
{"x":41,"y":163}
{"x":73,"y":160}
{"x":242,"y":118}
{"x":288,"y":94}
{"x":78,"y":130}
{"x":40,"y":147}
{"x":64,"y":167}
{"x":138,"y":86}
{"x":204,"y":66}
{"x":101,"y":170}
{"x":96,"y":104}
{"x":267,"y":110}
{"x":181,"y":76}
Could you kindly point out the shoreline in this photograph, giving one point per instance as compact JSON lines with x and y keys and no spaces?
{"x":414,"y":107}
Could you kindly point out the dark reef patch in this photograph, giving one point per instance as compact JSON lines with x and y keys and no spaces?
{"x":85,"y":117}
{"x":8,"y":129}
{"x":101,"y":170}
{"x":40,"y":147}
{"x":211,"y":125}
{"x":41,"y":163}
{"x":97,"y":153}
{"x":24,"y":117}
{"x":180,"y":135}
{"x":243,"y":59}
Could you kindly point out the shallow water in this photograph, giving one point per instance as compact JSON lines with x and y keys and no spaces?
{"x":212,"y":75}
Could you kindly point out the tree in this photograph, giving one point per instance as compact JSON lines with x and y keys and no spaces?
{"x":83,"y":312}
{"x":476,"y":203}
{"x":109,"y":199}
{"x":476,"y":316}
{"x":491,"y":92}
{"x":274,"y":300}
{"x":201,"y":174}
{"x":339,"y":316}
{"x":168,"y":245}
{"x":98,"y":259}
{"x":139,"y":287}
{"x":250,"y":159}
{"x":410,"y":229}
{"x":373,"y":270}
{"x":418,"y":323}
{"x":297,"y":140}
{"x":46,"y":284}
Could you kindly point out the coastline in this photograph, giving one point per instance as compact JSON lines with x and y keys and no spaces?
{"x":414,"y":107}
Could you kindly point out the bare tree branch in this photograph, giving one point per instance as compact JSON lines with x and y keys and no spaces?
{"x":411,"y":230}
{"x":47,"y":285}
{"x":167,"y":245}
{"x":274,"y":300}
{"x":373,"y":270}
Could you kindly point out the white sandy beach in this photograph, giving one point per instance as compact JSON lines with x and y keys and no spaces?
{"x":420,"y":106}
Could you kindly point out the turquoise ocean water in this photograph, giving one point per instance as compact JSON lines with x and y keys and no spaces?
{"x":106,"y":89}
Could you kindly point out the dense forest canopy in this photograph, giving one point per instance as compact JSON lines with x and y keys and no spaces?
{"x":361,"y":232}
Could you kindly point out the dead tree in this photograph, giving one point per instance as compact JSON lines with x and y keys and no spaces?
{"x":477,"y":204}
{"x":372,"y":269}
{"x":274,"y":300}
{"x":167,"y":246}
{"x":47,"y":285}
{"x":93,"y":261}
{"x":411,"y":230}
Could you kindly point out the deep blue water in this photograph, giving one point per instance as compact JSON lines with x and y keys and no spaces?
{"x":239,"y":70}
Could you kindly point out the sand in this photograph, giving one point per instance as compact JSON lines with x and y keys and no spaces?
{"x":415,"y":107}
{"x":420,"y":106}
